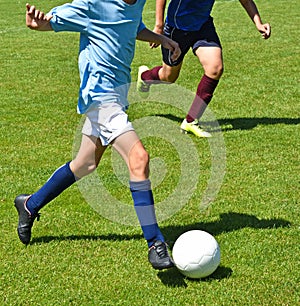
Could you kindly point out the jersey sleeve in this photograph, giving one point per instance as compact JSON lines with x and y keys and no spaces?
{"x":72,"y":17}
{"x":141,"y":26}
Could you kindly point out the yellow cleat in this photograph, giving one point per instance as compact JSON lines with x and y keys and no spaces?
{"x":194,"y":128}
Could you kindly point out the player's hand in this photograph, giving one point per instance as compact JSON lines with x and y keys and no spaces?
{"x":36,"y":19}
{"x":157,"y":30}
{"x":265,"y":30}
{"x":172,"y":46}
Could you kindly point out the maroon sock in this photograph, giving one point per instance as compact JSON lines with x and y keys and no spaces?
{"x":203,"y":96}
{"x":151,"y":76}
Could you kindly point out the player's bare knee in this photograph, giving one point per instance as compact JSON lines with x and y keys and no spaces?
{"x":219,"y":71}
{"x":90,"y":168}
{"x":81,"y":170}
{"x":139,"y":163}
{"x":215,"y":72}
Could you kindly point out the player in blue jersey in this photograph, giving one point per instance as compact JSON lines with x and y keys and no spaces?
{"x":108,"y":31}
{"x":189,"y":23}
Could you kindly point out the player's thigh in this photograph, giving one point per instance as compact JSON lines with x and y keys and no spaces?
{"x":131,"y":149}
{"x":211,"y":60}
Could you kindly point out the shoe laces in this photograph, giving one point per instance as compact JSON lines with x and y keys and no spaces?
{"x":197,"y":125}
{"x":196,"y":122}
{"x":161,"y":250}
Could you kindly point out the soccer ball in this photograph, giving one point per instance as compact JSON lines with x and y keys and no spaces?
{"x":196,"y":254}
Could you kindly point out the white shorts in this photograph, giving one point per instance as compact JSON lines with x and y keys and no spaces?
{"x":106,"y":121}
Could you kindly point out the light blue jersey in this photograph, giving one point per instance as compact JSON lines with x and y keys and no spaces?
{"x":108,"y":30}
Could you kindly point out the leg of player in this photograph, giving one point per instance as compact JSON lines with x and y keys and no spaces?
{"x":212,"y":63}
{"x":137,"y":159}
{"x":168,"y":73}
{"x":28,"y":206}
{"x":147,"y":77}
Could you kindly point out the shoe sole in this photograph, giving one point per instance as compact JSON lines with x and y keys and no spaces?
{"x":143,"y":94}
{"x":183,"y":131}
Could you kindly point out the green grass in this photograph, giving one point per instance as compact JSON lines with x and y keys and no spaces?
{"x":77,"y":257}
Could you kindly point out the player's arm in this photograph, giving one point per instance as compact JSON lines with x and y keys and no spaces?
{"x":159,"y":16}
{"x":252,"y":11}
{"x":147,"y":35}
{"x":36,"y":19}
{"x":159,"y":19}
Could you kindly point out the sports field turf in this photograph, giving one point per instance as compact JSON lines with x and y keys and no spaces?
{"x":242,"y":186}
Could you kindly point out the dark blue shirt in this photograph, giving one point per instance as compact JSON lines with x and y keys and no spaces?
{"x":189,"y":15}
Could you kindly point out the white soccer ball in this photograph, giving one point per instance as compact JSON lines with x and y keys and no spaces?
{"x":196,"y":254}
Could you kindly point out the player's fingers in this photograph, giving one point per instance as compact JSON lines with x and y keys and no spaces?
{"x":37,"y":13}
{"x":268,"y":30}
{"x":30,"y":9}
{"x":41,"y":15}
{"x":47,"y":17}
{"x":153,"y":45}
{"x":176,"y":53}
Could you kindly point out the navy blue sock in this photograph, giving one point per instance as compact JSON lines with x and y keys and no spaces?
{"x":144,"y":207}
{"x":60,"y":180}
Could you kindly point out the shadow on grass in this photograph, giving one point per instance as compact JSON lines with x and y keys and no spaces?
{"x":110,"y":237}
{"x":227,"y":222}
{"x":173,"y":278}
{"x":228,"y":124}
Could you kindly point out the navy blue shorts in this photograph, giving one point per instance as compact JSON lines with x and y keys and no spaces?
{"x":205,"y":37}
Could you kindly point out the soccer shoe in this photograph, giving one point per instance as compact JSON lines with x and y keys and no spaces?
{"x":141,"y":86}
{"x":25,"y":219}
{"x":159,"y":256}
{"x":194,"y":128}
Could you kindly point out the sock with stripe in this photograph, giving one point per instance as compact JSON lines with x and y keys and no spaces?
{"x":203,"y":96}
{"x":144,"y":207}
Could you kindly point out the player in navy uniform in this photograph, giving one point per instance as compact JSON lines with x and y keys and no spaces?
{"x":190,"y":24}
{"x":108,"y":31}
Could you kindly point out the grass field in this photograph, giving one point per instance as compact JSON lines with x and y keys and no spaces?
{"x":78,"y":257}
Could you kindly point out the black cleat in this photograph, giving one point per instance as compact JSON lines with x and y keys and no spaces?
{"x":159,"y":256}
{"x":25,"y":218}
